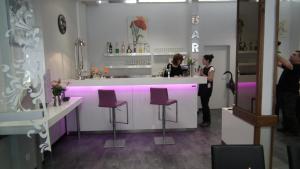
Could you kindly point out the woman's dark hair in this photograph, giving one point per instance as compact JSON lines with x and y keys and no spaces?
{"x":176,"y":58}
{"x":208,"y":57}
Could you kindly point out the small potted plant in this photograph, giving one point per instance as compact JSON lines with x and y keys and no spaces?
{"x":57,"y":90}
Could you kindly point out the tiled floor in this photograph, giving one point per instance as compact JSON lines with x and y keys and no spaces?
{"x":191,"y":151}
{"x":280,"y":158}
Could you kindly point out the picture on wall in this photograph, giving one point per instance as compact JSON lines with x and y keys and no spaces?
{"x":137,"y":29}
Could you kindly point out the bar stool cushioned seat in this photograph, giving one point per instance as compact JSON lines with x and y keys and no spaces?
{"x":159,"y":96}
{"x":107,"y":98}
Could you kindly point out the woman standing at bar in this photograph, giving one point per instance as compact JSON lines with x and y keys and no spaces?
{"x":205,"y":90}
{"x":174,"y":67}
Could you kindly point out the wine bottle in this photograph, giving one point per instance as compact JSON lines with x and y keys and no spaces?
{"x":128,"y":49}
{"x":123,"y":48}
{"x":117,"y":48}
{"x":110,"y":47}
{"x":134,"y":48}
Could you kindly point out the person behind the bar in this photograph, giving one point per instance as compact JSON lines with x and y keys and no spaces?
{"x":175,"y":67}
{"x":288,"y":92}
{"x":205,"y":90}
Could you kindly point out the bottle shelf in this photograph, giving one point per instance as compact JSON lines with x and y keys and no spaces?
{"x":127,"y":54}
{"x":169,"y":53}
{"x":144,"y":54}
{"x":130,"y":67}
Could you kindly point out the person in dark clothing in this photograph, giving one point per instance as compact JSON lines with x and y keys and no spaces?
{"x":288,"y":93}
{"x":205,"y":90}
{"x":175,"y":67}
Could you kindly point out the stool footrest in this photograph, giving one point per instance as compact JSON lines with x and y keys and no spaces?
{"x":119,"y":143}
{"x":164,"y":140}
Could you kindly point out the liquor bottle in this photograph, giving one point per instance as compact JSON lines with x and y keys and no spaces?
{"x":169,"y":69}
{"x":134,"y":48}
{"x":117,"y":48}
{"x":110,"y":48}
{"x":128,"y":49}
{"x":123,"y":48}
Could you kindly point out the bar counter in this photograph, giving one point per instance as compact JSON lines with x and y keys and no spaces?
{"x":138,"y":81}
{"x":136,"y":91}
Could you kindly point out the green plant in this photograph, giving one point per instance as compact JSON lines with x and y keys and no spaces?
{"x":191,"y":61}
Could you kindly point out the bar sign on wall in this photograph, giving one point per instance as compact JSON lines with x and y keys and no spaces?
{"x":195,"y":35}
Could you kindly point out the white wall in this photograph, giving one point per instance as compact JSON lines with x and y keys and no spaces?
{"x":289,"y":13}
{"x":295,"y":26}
{"x":59,"y":49}
{"x":169,"y":27}
{"x":217,"y":30}
{"x":82,"y":29}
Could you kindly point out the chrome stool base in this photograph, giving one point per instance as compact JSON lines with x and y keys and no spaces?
{"x":164,"y":140}
{"x":119,"y":143}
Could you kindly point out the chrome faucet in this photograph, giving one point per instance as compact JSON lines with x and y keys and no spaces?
{"x":79,"y":65}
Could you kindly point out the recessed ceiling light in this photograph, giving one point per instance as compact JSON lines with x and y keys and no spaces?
{"x":162,"y":0}
{"x":215,"y":0}
{"x":130,"y":1}
{"x":99,"y":2}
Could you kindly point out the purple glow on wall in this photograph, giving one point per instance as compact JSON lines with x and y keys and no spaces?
{"x":247,"y":84}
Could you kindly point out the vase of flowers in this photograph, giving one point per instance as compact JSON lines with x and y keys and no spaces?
{"x":191,"y":62}
{"x":137,"y":26}
{"x":57,"y":90}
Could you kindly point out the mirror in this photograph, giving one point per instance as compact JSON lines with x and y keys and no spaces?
{"x":247,"y":54}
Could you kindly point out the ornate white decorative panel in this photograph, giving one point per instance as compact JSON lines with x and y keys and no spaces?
{"x":22,"y":66}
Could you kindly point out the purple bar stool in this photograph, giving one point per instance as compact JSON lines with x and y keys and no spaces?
{"x":107,"y":98}
{"x":159,"y":96}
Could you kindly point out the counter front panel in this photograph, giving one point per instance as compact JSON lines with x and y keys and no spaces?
{"x":142,"y":115}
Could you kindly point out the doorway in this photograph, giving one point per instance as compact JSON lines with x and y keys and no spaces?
{"x":220,"y":95}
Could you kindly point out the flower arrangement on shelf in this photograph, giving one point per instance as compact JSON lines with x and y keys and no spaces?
{"x":95,"y":72}
{"x":58,"y":90}
{"x":191,"y":61}
{"x":137,"y":26}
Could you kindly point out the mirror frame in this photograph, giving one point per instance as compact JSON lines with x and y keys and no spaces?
{"x":256,"y":119}
{"x":259,"y":58}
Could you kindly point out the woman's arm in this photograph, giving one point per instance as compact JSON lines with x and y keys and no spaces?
{"x":283,"y":62}
{"x":211,"y":74}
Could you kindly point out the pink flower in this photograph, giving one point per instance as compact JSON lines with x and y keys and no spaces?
{"x":136,"y":25}
{"x":140,"y":23}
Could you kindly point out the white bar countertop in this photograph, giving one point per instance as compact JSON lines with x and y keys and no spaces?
{"x":55,"y":114}
{"x":138,"y":81}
